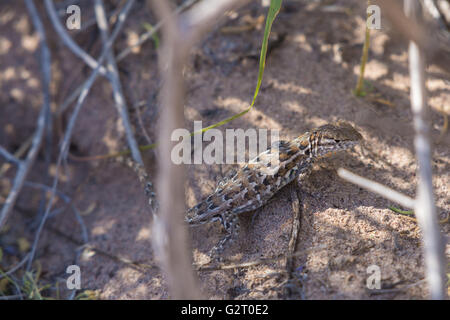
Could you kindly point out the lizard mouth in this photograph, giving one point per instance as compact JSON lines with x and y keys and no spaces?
{"x":340,"y":145}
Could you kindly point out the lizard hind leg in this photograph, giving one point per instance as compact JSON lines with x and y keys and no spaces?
{"x":232,"y":226}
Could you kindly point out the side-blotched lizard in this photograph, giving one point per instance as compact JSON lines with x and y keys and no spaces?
{"x":254,"y":184}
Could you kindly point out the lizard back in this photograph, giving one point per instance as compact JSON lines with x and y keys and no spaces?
{"x":255,"y":183}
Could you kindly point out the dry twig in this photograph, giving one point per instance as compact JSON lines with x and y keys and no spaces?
{"x":67,"y":40}
{"x":118,"y":96}
{"x":110,"y":72}
{"x":24,"y":166}
{"x":68,"y":134}
{"x":378,"y":188}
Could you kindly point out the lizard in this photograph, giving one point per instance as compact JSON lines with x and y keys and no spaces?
{"x":255,"y":183}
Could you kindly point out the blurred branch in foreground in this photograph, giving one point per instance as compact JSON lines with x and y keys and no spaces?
{"x":180,"y":33}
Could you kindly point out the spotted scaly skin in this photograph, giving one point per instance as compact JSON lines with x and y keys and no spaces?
{"x":254,"y":184}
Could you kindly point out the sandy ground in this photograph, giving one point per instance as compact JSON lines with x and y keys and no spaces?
{"x":308,"y":82}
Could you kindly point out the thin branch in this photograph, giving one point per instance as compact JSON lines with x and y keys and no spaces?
{"x":436,"y":12}
{"x":19,"y":153}
{"x":68,"y":201}
{"x":377,"y":188}
{"x":70,"y":99}
{"x":15,"y":268}
{"x":8,"y":156}
{"x":110,"y":72}
{"x":68,"y":134}
{"x":118,"y":96}
{"x":137,"y":107}
{"x":147,"y":35}
{"x":86,"y":25}
{"x":436,"y":51}
{"x":67,"y":40}
{"x":36,"y":143}
{"x":424,"y":205}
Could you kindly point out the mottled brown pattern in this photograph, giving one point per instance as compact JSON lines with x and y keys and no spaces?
{"x":255,"y":183}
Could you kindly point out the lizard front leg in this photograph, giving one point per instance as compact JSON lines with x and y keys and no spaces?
{"x":230,"y":222}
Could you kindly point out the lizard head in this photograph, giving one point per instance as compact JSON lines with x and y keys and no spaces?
{"x":330,"y":138}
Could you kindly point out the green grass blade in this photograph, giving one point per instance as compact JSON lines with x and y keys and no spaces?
{"x":274,"y":9}
{"x":275,"y":6}
{"x":397,"y":210}
{"x":147,"y":26}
